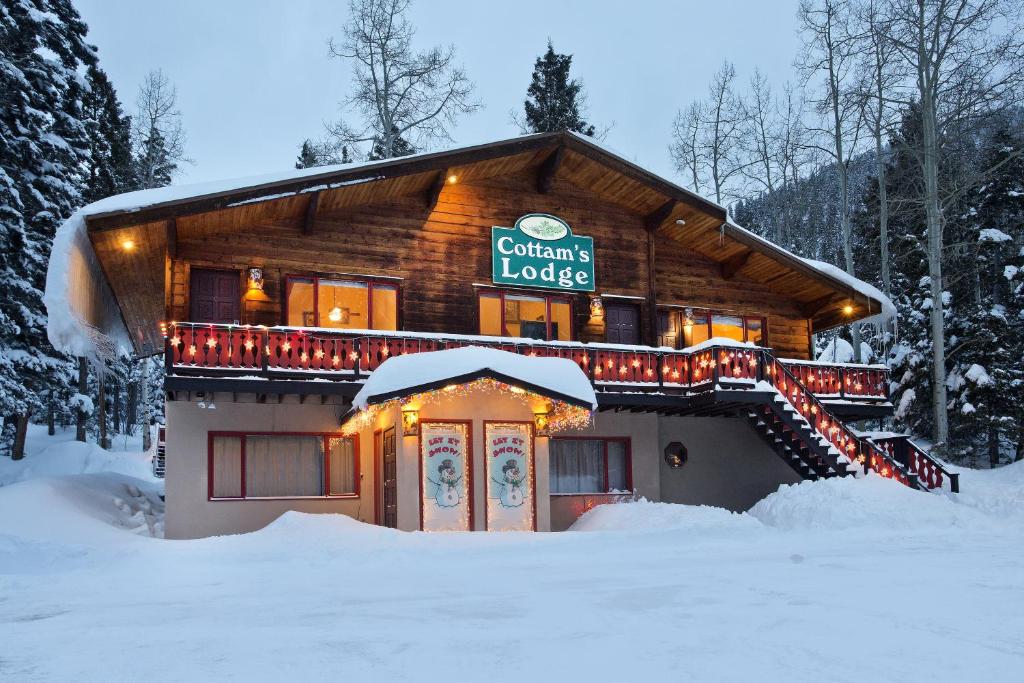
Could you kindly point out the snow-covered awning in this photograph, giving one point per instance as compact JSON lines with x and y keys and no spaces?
{"x":559,"y":379}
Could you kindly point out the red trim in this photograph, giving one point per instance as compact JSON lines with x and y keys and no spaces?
{"x":370,"y":282}
{"x":469,"y":465}
{"x":325,"y":453}
{"x":378,"y":493}
{"x":533,"y":465}
{"x":605,"y":439}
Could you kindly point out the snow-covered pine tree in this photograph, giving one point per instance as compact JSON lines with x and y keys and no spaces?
{"x":111,"y":169}
{"x":43,"y":152}
{"x":315,"y":154}
{"x":400,"y":147}
{"x":554,"y":101}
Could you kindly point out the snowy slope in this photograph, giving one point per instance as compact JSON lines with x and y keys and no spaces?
{"x":824,"y":581}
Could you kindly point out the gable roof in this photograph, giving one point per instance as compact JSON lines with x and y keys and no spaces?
{"x":153,"y":219}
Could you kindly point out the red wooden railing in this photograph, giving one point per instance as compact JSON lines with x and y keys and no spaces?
{"x":841,"y":381}
{"x":929,"y":471}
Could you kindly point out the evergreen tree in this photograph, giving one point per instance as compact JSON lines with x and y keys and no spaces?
{"x":111,"y":169}
{"x":400,"y":147}
{"x":315,"y":154}
{"x":43,"y":151}
{"x":554,"y":100}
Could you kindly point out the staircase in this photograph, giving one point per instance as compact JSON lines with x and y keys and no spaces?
{"x":817,"y":445}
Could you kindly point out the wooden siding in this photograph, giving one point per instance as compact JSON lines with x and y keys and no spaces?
{"x":441,"y":252}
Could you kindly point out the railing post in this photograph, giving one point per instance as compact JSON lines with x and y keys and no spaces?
{"x":169,"y":354}
{"x":660,"y":360}
{"x":760,"y":357}
{"x":954,"y":481}
{"x":357,"y":348}
{"x":842,"y":382}
{"x":265,"y":351}
{"x":714,"y":367}
{"x":592,"y":358}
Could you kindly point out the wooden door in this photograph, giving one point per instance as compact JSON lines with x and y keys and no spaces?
{"x":387,"y":489}
{"x":214,"y":296}
{"x":622,"y":323}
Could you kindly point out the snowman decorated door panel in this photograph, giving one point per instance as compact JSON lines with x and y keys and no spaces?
{"x":445,"y":456}
{"x":510,"y":477}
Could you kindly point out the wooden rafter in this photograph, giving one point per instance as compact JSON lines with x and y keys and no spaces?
{"x":812,"y":308}
{"x":434,"y":191}
{"x":734,"y":264}
{"x":654,"y":219}
{"x":548,"y":169}
{"x":310,"y":216}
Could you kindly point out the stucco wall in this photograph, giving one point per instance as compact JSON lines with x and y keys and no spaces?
{"x":191,"y":515}
{"x":729,"y":465}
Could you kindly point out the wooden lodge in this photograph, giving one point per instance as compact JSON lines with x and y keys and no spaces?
{"x":279,"y":303}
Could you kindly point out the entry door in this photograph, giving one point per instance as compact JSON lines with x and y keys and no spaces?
{"x":622,"y":323}
{"x":214,"y":296}
{"x":388,"y":487}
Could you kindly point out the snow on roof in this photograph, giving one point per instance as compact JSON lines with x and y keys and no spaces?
{"x":559,"y":376}
{"x":888,"y":311}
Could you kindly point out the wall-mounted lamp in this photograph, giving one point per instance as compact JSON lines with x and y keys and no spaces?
{"x":410,"y":421}
{"x":128,"y":245}
{"x":688,"y":317}
{"x":256,"y":279}
{"x":847,"y":309}
{"x":541,"y":422}
{"x":596,"y":307}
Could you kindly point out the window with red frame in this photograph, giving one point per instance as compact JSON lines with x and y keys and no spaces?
{"x":680,"y":328}
{"x":275,"y":465}
{"x":340,"y":303}
{"x":508,"y":314}
{"x":589,"y":465}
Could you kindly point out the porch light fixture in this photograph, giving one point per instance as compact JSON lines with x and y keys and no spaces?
{"x":542,"y":422}
{"x":128,"y":245}
{"x":410,"y":421}
{"x":334,"y":314}
{"x":847,"y":309}
{"x":256,"y":279}
{"x":688,"y":318}
{"x":596,"y":307}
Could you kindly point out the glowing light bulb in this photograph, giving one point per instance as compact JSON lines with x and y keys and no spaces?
{"x":334,"y":314}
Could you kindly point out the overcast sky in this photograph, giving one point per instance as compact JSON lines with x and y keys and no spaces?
{"x":254,"y":78}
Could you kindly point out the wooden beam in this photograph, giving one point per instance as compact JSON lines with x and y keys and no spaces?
{"x":652,"y":292}
{"x":172,"y":237}
{"x":654,"y":219}
{"x":310,"y":217}
{"x":812,"y":308}
{"x":548,"y":169}
{"x":734,"y":264}
{"x":434,"y":191}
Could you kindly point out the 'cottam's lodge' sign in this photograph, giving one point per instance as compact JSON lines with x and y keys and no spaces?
{"x":541,"y":251}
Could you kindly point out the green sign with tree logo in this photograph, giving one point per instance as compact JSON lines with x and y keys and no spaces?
{"x":541,"y":251}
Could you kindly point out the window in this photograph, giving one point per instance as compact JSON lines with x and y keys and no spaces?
{"x":681,"y":328}
{"x":268,"y":465}
{"x":590,"y":465}
{"x":519,"y":315}
{"x":341,"y":304}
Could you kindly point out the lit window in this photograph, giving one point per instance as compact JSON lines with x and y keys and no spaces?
{"x":517,"y":315}
{"x":727,"y":326}
{"x":685,"y":327}
{"x":341,"y":304}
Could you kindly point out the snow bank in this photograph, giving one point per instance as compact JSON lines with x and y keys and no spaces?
{"x":868,"y":503}
{"x":61,"y":455}
{"x":398,"y":373}
{"x":644,"y":515}
{"x":838,"y":350}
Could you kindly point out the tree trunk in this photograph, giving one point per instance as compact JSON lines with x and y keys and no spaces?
{"x":83,"y":389}
{"x":102,"y":412}
{"x":933,"y":221}
{"x":51,"y":426}
{"x":993,"y":447}
{"x":132,"y":418}
{"x":20,"y":435}
{"x":144,"y":399}
{"x":883,"y":215}
{"x":116,"y":422}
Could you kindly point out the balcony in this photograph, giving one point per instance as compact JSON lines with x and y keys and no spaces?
{"x":284,"y":353}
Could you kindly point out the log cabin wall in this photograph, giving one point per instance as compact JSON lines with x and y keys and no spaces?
{"x":441,"y":252}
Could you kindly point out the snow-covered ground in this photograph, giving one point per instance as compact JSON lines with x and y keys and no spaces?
{"x":853,"y":580}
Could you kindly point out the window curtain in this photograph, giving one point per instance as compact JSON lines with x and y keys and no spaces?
{"x":342,"y":466}
{"x":577,"y":466}
{"x":283,"y":466}
{"x":617,"y":478}
{"x":227,"y":467}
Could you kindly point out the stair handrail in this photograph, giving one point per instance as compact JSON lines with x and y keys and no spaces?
{"x":845,"y":441}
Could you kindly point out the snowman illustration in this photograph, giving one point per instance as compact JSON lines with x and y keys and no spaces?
{"x":511,"y":484}
{"x":447,"y":493}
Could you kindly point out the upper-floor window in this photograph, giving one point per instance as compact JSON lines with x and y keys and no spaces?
{"x":680,"y":328}
{"x":504,"y":314}
{"x":340,"y":303}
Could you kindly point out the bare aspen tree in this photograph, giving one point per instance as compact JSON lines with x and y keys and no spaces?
{"x":158,"y":136}
{"x":406,"y":99}
{"x":829,"y":66}
{"x":762,"y":140}
{"x":685,"y":148}
{"x":966,"y":61}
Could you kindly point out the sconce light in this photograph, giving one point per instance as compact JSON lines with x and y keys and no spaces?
{"x":596,"y":307}
{"x":541,"y":422}
{"x":688,"y":317}
{"x":675,"y":455}
{"x":410,"y":421}
{"x":847,"y":309}
{"x":256,"y":279}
